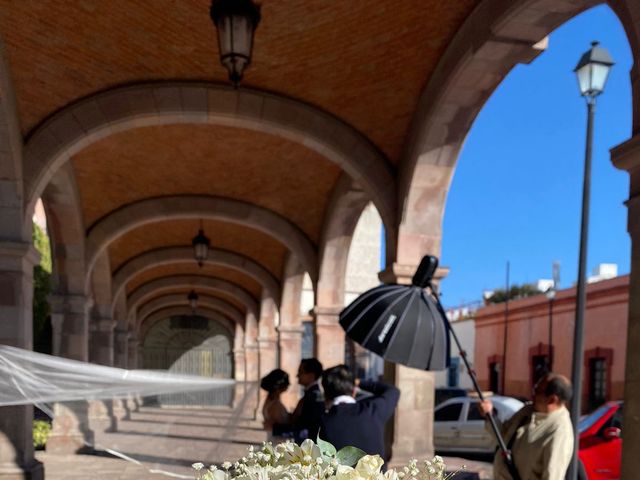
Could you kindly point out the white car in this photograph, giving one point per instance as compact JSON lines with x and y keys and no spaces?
{"x":459,"y":427}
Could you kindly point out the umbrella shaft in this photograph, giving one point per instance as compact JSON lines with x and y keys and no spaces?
{"x":474,"y":379}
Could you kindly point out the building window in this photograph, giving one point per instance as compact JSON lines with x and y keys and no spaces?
{"x":539,"y":367}
{"x":494,"y":376}
{"x":597,"y":382}
{"x":307,"y":340}
{"x":453,"y":374}
{"x":450,"y":413}
{"x":597,"y":387}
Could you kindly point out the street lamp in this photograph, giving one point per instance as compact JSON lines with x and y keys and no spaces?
{"x":236,"y":22}
{"x":551,"y":295}
{"x":201,"y":245}
{"x":592,"y":72}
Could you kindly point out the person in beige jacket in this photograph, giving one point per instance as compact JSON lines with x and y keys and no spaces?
{"x":540,"y":435}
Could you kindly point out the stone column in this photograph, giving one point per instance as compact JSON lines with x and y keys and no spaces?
{"x":240,"y":366}
{"x":290,"y":356}
{"x":121,"y":348}
{"x":16,"y":322}
{"x":102,"y":341}
{"x":627,"y":157}
{"x":120,"y":358}
{"x":132,"y":351}
{"x":268,"y":361}
{"x":132,"y":363}
{"x":329,"y":336}
{"x":410,"y":434}
{"x":101,"y":412}
{"x":267,"y":344}
{"x":70,"y":432}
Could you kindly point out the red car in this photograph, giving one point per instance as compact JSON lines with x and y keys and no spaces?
{"x":601,"y":442}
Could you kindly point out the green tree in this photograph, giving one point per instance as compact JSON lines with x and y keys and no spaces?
{"x":515,"y":292}
{"x":41,"y":289}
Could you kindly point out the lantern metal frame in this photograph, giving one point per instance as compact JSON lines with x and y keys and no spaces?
{"x":234,"y":61}
{"x":201,"y":241}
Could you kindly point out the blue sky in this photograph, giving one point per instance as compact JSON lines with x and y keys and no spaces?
{"x":516,"y":192}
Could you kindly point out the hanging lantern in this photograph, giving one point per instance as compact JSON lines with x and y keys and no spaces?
{"x":193,"y":300}
{"x":236,"y":22}
{"x":201,"y":245}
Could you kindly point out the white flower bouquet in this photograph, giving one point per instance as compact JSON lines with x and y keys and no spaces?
{"x":321,"y":461}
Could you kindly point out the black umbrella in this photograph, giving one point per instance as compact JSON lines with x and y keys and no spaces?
{"x":406,"y":324}
{"x":401,"y":323}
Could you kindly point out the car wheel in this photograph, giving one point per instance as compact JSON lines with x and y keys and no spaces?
{"x":582,"y":474}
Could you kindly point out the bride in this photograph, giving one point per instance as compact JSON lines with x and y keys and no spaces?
{"x":274,"y":413}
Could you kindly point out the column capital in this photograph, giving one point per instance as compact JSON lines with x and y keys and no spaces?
{"x":326,"y":315}
{"x":290,"y":331}
{"x":102,"y":324}
{"x":69,"y":302}
{"x":121,"y":335}
{"x":266,"y":341}
{"x":13,"y":253}
{"x":402,"y":274}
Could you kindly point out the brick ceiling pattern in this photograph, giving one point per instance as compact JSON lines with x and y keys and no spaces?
{"x":223,"y":273}
{"x":366,"y":62}
{"x":185,"y":291}
{"x":261,"y":169}
{"x":245,"y":241}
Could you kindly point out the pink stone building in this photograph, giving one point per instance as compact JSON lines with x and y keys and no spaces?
{"x":531,"y":344}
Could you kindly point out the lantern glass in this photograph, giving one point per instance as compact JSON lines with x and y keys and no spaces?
{"x":236,"y":21}
{"x":200,"y":247}
{"x":593,"y":70}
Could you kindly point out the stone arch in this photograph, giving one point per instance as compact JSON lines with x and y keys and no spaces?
{"x":210,"y":313}
{"x":106,"y":113}
{"x":166,"y":312}
{"x":11,"y":160}
{"x":201,"y":283}
{"x":178,"y":255}
{"x":101,"y":287}
{"x":345,"y":208}
{"x":207,"y":301}
{"x":152,"y":210}
{"x":61,"y":201}
{"x":493,"y":39}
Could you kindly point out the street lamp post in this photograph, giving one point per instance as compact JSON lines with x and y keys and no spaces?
{"x":551,"y":295}
{"x":592,"y":72}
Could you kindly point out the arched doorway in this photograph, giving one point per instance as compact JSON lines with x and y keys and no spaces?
{"x":192,"y":345}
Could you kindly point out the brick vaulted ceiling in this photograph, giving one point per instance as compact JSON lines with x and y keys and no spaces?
{"x":365,"y":62}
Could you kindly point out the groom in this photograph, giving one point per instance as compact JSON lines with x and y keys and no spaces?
{"x":359,"y":424}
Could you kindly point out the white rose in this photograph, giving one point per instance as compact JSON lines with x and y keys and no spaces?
{"x":218,"y":475}
{"x":346,"y":473}
{"x":369,"y":465}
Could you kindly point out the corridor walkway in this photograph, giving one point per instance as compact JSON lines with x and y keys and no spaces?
{"x":167,"y":441}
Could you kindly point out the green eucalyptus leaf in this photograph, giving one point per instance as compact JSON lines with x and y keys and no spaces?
{"x":326,"y":448}
{"x":349,"y":456}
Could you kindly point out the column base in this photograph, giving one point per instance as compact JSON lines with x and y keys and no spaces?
{"x":35,"y":471}
{"x":101,"y":416}
{"x":70,"y":432}
{"x":411,"y":434}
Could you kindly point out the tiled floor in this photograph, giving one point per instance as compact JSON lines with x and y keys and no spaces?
{"x":164,"y":442}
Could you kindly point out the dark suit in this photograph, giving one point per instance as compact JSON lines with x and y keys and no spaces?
{"x":361,"y":424}
{"x":306,"y":416}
